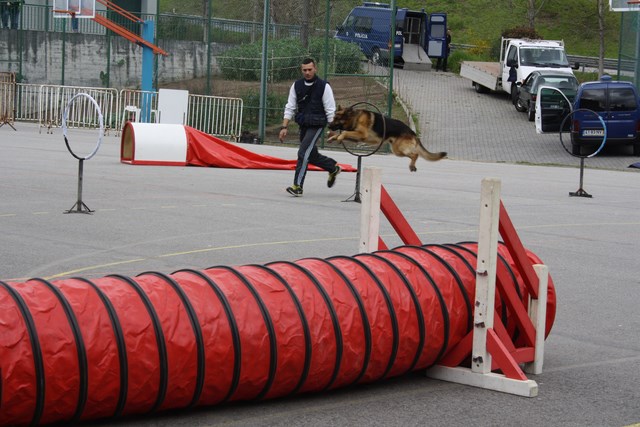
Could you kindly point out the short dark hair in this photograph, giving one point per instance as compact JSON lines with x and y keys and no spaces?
{"x":308,"y":60}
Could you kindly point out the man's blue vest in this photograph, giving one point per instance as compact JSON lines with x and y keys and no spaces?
{"x":310,"y":108}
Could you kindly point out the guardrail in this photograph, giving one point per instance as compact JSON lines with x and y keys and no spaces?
{"x":609,"y":63}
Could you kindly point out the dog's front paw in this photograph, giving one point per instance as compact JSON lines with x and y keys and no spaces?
{"x":413,"y":168}
{"x":333,"y":135}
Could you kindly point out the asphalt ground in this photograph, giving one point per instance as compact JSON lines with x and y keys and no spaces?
{"x":167,"y":218}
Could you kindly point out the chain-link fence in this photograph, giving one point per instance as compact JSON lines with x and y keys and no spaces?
{"x":629,"y":57}
{"x":251,"y":51}
{"x":260,"y":68}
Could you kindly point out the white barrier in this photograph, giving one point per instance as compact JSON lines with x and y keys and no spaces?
{"x":216,"y":115}
{"x":139,"y":99}
{"x":43,"y":104}
{"x":26,"y":102}
{"x":53,"y":98}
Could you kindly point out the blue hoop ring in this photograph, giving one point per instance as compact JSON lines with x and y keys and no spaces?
{"x":604,"y":138}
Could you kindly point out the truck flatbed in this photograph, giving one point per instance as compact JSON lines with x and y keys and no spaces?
{"x":486,"y":74}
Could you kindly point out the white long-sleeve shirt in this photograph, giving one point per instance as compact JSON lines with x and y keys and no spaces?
{"x":328,"y":102}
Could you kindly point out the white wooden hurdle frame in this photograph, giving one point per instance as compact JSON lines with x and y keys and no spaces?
{"x":479,"y":375}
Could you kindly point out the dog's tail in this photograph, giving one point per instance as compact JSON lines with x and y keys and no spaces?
{"x":428,"y":155}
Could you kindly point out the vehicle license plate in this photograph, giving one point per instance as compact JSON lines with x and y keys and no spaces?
{"x":593,"y":132}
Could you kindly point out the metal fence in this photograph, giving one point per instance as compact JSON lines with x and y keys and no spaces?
{"x":221,"y":56}
{"x":53,"y":100}
{"x":7,"y":98}
{"x":45,"y":104}
{"x":168,"y":25}
{"x":630,"y":44}
{"x":216,"y":115}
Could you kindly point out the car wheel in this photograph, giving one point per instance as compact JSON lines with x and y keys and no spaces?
{"x":479,"y":88}
{"x":514,"y":93}
{"x":375,"y":56}
{"x":520,"y":105}
{"x":575,"y":150}
{"x":532,"y":112}
{"x":636,"y":148}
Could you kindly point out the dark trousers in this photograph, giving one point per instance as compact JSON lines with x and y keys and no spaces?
{"x":441,"y":64}
{"x":4,"y":15}
{"x":308,"y":154}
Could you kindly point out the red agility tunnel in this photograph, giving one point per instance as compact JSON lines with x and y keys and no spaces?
{"x":179,"y":145}
{"x":79,"y":349}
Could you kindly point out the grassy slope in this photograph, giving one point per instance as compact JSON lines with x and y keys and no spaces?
{"x":574,"y":21}
{"x":478,"y":22}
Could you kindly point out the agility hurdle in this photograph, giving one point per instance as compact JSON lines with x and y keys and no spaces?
{"x":488,"y":346}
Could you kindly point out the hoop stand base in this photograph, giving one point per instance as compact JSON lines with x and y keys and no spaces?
{"x":355,"y":197}
{"x":580,"y":192}
{"x":80,"y":206}
{"x":8,"y":123}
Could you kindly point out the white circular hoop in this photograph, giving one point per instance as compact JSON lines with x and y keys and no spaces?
{"x":65,"y":114}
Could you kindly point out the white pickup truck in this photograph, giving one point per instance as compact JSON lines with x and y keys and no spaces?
{"x":524,"y":56}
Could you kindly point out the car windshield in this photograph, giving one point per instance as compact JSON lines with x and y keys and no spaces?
{"x":543,"y":57}
{"x":565,"y":84}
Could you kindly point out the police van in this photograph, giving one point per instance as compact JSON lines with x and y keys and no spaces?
{"x":419,"y":37}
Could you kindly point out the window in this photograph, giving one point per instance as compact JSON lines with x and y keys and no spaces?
{"x":363,"y":24}
{"x":526,"y":57}
{"x":512,"y":55}
{"x":622,"y":99}
{"x":349,"y":22}
{"x":594,"y":99}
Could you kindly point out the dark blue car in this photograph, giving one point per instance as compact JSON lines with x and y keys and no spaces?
{"x":618,"y":104}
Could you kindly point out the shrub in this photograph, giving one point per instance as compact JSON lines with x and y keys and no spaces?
{"x":521,"y":33}
{"x":241,"y":63}
{"x":251,"y":101}
{"x":284,"y":58}
{"x":344,"y":58}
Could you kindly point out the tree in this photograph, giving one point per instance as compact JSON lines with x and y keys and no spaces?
{"x":533,"y":8}
{"x":601,"y":29}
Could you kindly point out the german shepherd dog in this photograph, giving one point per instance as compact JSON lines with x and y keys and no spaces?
{"x":371,"y":128}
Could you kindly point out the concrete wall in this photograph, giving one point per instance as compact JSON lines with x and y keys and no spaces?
{"x":80,"y":59}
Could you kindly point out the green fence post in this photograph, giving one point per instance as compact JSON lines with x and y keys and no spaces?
{"x":263,"y":73}
{"x":208,"y":39}
{"x":392,"y":57}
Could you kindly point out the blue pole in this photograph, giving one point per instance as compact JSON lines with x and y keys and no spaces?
{"x":147,"y":71}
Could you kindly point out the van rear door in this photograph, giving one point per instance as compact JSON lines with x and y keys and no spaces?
{"x":401,"y":17}
{"x":622,"y":112}
{"x":437,"y":35}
